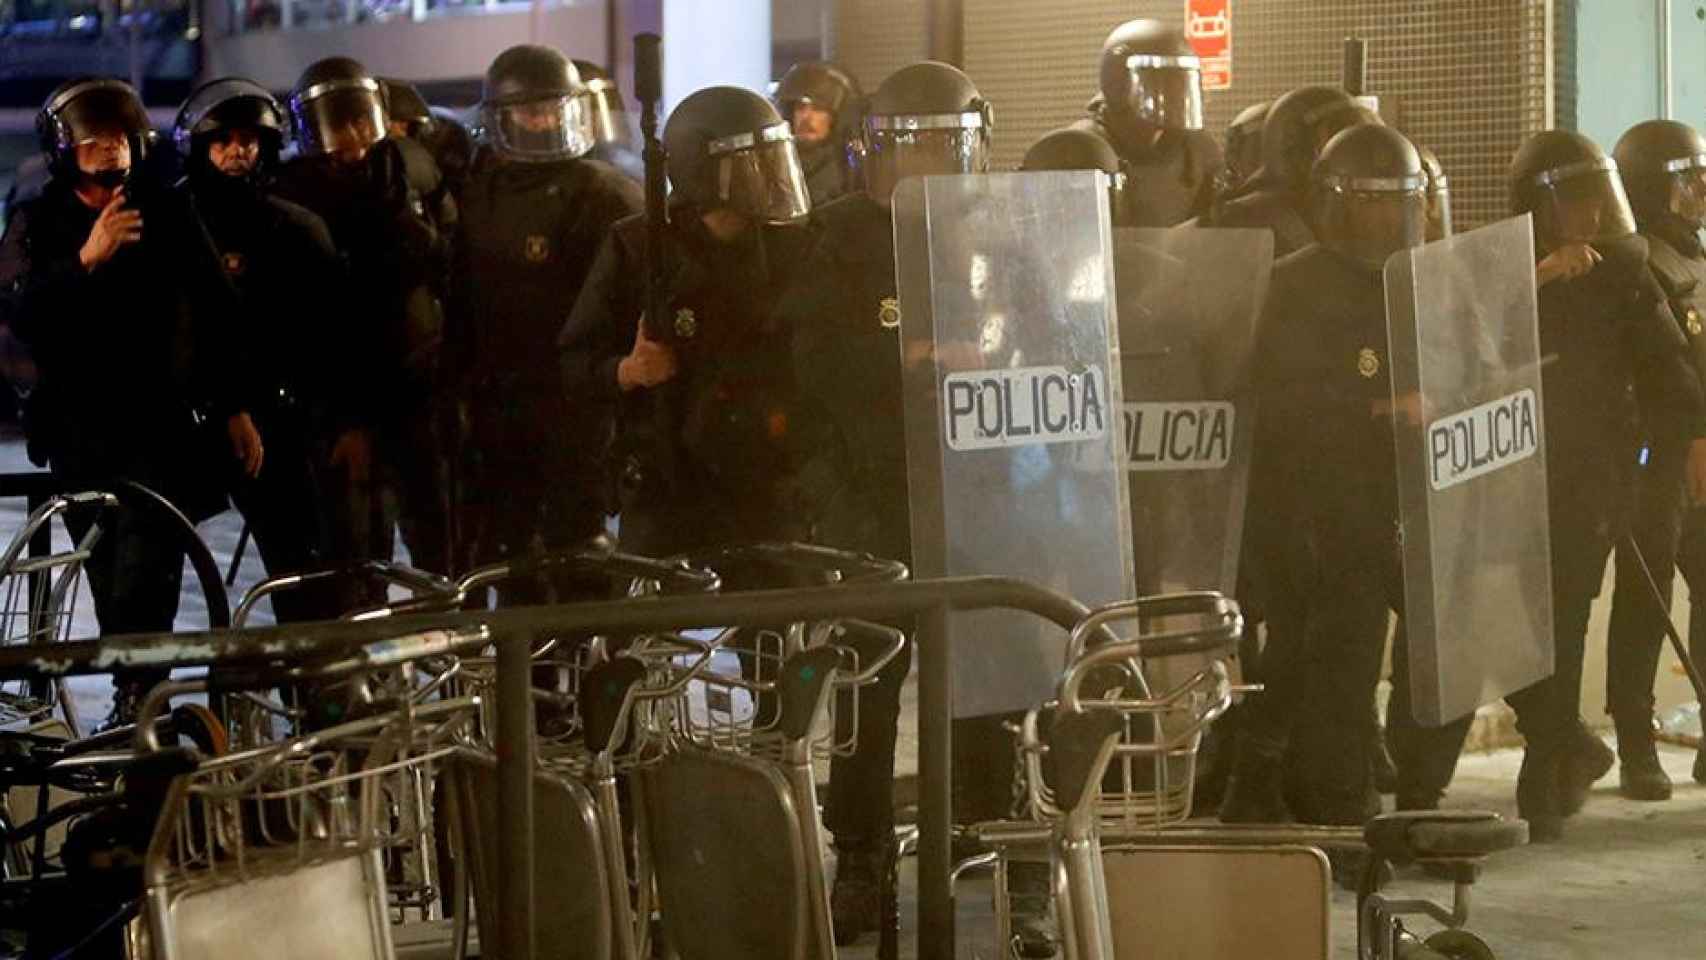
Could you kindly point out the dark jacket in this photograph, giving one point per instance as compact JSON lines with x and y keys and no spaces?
{"x":1276,"y":210}
{"x":393,"y":221}
{"x":127,"y":355}
{"x":1171,"y":182}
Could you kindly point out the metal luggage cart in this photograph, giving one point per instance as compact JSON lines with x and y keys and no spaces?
{"x":291,"y":844}
{"x":40,"y":598}
{"x":1131,"y":879}
{"x":743,"y":761}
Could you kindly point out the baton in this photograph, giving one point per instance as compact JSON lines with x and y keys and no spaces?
{"x":1670,"y":627}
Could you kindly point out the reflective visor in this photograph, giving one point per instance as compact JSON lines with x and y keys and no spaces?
{"x":102,"y":108}
{"x":1688,"y":189}
{"x":610,"y":121}
{"x":1373,"y":220}
{"x":1583,"y":202}
{"x":1165,"y":92}
{"x":893,"y":155}
{"x":759,"y":174}
{"x":339,"y":117}
{"x":551,"y":128}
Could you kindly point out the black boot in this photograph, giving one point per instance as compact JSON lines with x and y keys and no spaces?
{"x":127,"y":699}
{"x":1641,"y":776}
{"x":856,"y":903}
{"x":1700,"y":765}
{"x":1256,"y":791}
{"x":1586,"y":758}
{"x":1537,"y":794}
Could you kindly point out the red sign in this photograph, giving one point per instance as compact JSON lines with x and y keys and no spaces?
{"x":1208,"y":25}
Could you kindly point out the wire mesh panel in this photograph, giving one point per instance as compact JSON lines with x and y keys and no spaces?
{"x":871,"y":39}
{"x":1467,"y":78}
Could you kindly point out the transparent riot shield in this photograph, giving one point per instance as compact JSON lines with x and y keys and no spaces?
{"x":1008,"y":342}
{"x":1465,"y":365}
{"x":1189,"y":302}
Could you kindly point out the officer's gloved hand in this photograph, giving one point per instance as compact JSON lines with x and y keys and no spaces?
{"x":1568,"y":262}
{"x":245,"y":443}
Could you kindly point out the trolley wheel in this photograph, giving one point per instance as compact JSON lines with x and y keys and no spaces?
{"x":1460,"y":945}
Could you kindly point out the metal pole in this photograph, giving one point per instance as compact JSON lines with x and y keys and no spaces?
{"x":1666,"y":106}
{"x":515,"y":796}
{"x":1688,"y":665}
{"x":935,"y":785}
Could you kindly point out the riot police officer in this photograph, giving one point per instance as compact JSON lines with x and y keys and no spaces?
{"x":1150,"y":109}
{"x":1439,"y":195}
{"x":703,"y":395}
{"x":408,"y":116}
{"x":1325,"y":457}
{"x":229,"y":133}
{"x":842,"y":308}
{"x":1276,"y":196}
{"x":615,"y":140}
{"x":1073,"y":148}
{"x":1663,"y":166}
{"x":1243,"y":151}
{"x":392,"y":219}
{"x":821,"y":103}
{"x":533,"y":218}
{"x":110,"y":283}
{"x":1607,"y":322}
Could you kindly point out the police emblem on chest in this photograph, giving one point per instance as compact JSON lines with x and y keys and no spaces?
{"x":1368,"y":363}
{"x":686,"y":323}
{"x":888,"y":313}
{"x":234,"y":263}
{"x":536,"y":249}
{"x":1691,"y":319}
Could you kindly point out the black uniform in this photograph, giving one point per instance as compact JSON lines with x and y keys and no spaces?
{"x":531,"y":232}
{"x":272,"y":250}
{"x":392,"y":221}
{"x":707,"y":459}
{"x":1617,"y":348}
{"x":126,"y":355}
{"x":1169,"y":183}
{"x":845,"y":321}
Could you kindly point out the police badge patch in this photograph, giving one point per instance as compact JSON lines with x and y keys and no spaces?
{"x":234,"y":264}
{"x":1693,"y":321}
{"x":888,"y":313}
{"x":537,"y":249}
{"x":686,"y":324}
{"x":1368,"y":363}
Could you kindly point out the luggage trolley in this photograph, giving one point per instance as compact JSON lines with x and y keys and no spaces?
{"x":731,"y":810}
{"x":606,"y":713}
{"x":285,"y":844}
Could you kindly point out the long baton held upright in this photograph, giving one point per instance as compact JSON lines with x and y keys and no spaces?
{"x":1670,"y":626}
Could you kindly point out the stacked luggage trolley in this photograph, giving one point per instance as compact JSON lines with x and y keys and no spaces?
{"x":634,"y":777}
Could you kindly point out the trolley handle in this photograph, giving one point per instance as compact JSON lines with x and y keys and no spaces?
{"x":429,"y":590}
{"x":844,"y":566}
{"x":894,"y":641}
{"x":672,"y":576}
{"x":1226,"y":625}
{"x":1071,"y":684}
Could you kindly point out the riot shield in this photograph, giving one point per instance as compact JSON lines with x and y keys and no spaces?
{"x":1008,"y":343}
{"x":1471,"y":455}
{"x":1189,"y":302}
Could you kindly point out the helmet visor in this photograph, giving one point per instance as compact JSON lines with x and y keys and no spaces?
{"x":610,"y":121}
{"x":1369,"y":221}
{"x":551,"y":128}
{"x":1583,"y":202}
{"x":1687,"y":200}
{"x":1165,"y":92}
{"x":339,"y":118}
{"x":104,"y":111}
{"x":760,"y":175}
{"x":1439,"y":210}
{"x":901,"y":147}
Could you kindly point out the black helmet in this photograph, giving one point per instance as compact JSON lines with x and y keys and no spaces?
{"x":610,"y":123}
{"x":926,"y":118}
{"x":226,"y":104}
{"x":1288,"y":134}
{"x":1149,"y":73}
{"x":533,"y":106}
{"x":1074,"y":148}
{"x":730,"y":149}
{"x":1369,"y":194}
{"x":337,"y":108}
{"x":823,"y":85}
{"x":1663,"y":164}
{"x":1571,"y":187}
{"x":1439,"y":195}
{"x":78,"y":111}
{"x":405,"y":106}
{"x":1244,"y":143}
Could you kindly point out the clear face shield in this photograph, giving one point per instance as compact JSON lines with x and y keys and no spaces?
{"x":759,"y":174}
{"x":897,"y":147}
{"x":1581,"y":203}
{"x":546,"y":129}
{"x":343,"y":118}
{"x":1369,"y":219}
{"x":1165,"y":91}
{"x":1687,"y":200}
{"x":609,"y":116}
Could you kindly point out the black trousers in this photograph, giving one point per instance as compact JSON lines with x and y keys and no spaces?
{"x":859,"y":810}
{"x":283,"y":508}
{"x":408,"y":488}
{"x":1672,"y":538}
{"x":1546,"y":712}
